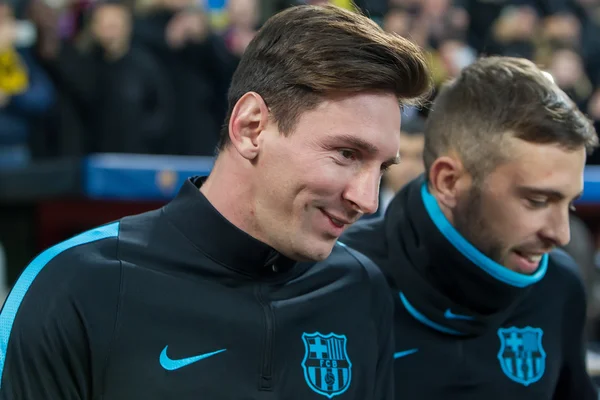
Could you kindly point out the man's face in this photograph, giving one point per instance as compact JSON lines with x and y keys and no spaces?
{"x":313,"y":183}
{"x":111,"y":25}
{"x":521,"y":210}
{"x":411,"y":162}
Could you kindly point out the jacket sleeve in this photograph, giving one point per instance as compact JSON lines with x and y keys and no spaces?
{"x":574,"y":381}
{"x":57,"y":322}
{"x":44,"y":352}
{"x":385,"y":364}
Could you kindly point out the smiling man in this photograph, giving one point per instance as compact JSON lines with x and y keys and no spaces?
{"x":205,"y":297}
{"x":486,"y":307}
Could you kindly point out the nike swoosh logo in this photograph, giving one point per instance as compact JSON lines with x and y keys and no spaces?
{"x":170,"y":365}
{"x":450,"y":315}
{"x":405,"y":353}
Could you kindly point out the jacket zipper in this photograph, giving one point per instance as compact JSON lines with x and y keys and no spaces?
{"x":266,"y":376}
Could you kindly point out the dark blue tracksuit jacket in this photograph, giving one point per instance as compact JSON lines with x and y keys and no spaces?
{"x":179,"y":304}
{"x":467,"y":328}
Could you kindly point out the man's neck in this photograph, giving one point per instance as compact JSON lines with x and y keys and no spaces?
{"x":229,"y":191}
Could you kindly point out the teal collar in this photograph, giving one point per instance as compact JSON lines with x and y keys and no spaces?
{"x":491,"y":267}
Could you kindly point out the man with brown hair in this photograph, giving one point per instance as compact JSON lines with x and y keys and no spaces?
{"x":487,"y":307}
{"x":204,"y":298}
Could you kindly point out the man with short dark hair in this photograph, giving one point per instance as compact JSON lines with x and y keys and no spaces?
{"x":204,"y":297}
{"x":487,"y":308}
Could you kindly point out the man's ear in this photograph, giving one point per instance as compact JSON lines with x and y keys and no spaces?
{"x":248,"y":119}
{"x":447,"y":177}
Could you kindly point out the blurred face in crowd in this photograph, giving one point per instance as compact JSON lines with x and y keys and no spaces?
{"x":111,"y":26}
{"x":521,"y":209}
{"x":455,"y":56}
{"x":243,"y":13}
{"x":436,"y":8}
{"x":7,"y":27}
{"x":594,"y":106}
{"x":397,"y":21}
{"x":411,"y":162}
{"x":311,"y":184}
{"x":566,"y":67}
{"x":564,"y":28}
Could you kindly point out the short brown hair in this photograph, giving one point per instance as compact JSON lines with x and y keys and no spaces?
{"x":306,"y":52}
{"x":496,"y":97}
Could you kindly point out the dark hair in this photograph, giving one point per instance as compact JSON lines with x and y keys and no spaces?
{"x":304,"y":53}
{"x":499,"y":96}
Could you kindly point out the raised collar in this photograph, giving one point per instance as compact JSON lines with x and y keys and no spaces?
{"x":210,"y":232}
{"x":445,"y":282}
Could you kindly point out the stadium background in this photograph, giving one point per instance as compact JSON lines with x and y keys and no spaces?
{"x":106,"y":106}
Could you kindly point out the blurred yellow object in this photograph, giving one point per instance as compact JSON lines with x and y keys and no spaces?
{"x":13,"y":73}
{"x":347,"y":4}
{"x":219,"y":19}
{"x":438,"y":69}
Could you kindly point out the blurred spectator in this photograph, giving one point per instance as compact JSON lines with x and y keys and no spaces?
{"x":25,"y":93}
{"x":482,"y":16}
{"x":594,"y":106}
{"x":398,"y":20}
{"x":439,"y":27}
{"x":412,"y":141}
{"x":199,"y":69}
{"x":449,"y":59}
{"x":514,"y":32}
{"x":567,"y":69}
{"x":442,"y":21}
{"x":561,"y":30}
{"x":243,"y":25}
{"x":133,"y":102}
{"x":66,"y":127}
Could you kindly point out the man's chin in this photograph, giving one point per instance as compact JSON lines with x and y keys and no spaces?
{"x":318,"y":252}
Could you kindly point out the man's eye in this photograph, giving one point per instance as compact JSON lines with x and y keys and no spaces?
{"x":533,"y":203}
{"x":348,"y":154}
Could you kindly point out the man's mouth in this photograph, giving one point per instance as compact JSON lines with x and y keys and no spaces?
{"x":531,"y":257}
{"x":527,"y":262}
{"x":336,"y":220}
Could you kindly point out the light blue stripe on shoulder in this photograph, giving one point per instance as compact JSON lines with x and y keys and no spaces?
{"x":14,"y":299}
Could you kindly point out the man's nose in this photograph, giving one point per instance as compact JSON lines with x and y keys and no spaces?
{"x":558,"y":229}
{"x":363,"y":193}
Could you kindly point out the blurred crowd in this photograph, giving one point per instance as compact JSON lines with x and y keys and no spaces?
{"x":561,"y":36}
{"x":151,"y":76}
{"x":135,"y":76}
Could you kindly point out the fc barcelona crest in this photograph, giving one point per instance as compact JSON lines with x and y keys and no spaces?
{"x":521,"y":354}
{"x":327,"y":367}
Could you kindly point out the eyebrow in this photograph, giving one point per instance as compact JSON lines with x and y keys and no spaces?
{"x":367,"y":147}
{"x":551,"y":193}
